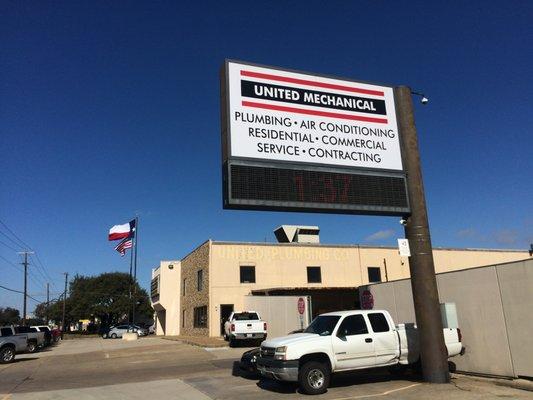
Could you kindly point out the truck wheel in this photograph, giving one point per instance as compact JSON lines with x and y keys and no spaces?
{"x":32,"y":347}
{"x":314,"y":378}
{"x":113,"y":336}
{"x":7,"y":355}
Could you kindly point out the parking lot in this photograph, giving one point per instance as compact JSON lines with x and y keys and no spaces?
{"x":157,"y":368}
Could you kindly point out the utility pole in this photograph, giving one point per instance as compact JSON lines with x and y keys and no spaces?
{"x":47,"y":302}
{"x":25,"y":263}
{"x":423,"y":281}
{"x":64,"y":302}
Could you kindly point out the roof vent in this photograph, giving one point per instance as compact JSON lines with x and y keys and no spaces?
{"x":297,"y":234}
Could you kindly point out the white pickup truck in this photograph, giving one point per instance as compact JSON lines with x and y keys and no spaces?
{"x":244,"y":325}
{"x":344,"y":341}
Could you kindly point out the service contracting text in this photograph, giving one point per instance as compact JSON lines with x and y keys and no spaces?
{"x":278,"y":115}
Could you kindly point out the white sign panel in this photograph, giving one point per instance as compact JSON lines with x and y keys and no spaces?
{"x":403,"y":246}
{"x":287,"y":116}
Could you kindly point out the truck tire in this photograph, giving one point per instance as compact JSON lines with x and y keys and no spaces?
{"x":113,"y":336}
{"x":7,"y":354}
{"x":231,"y":341}
{"x":314,"y":377}
{"x":32,"y":347}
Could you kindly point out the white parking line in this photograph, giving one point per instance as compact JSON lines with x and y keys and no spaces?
{"x":143,"y":361}
{"x":378,"y":394}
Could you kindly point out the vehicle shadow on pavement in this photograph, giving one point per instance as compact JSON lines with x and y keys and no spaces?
{"x":371,"y":376}
{"x":342,"y":379}
{"x":237,"y":370}
{"x":17,"y":360}
{"x":278,"y":386}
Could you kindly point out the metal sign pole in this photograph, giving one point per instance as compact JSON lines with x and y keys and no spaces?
{"x":423,"y":281}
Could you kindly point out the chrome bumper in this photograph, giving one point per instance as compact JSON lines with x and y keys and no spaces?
{"x":289,"y":374}
{"x":251,"y":335}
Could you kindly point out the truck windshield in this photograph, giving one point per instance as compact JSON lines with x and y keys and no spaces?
{"x":246,"y":316}
{"x":323,"y":325}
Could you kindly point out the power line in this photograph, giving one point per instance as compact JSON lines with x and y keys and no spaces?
{"x":13,"y":233}
{"x":12,"y":290}
{"x":44,"y":269}
{"x":37,"y":268}
{"x":21,"y":292}
{"x":12,"y":241}
{"x":10,"y":263}
{"x":25,"y":245}
{"x":8,"y":246}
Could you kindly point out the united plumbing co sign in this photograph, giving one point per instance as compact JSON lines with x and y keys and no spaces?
{"x":296,"y":121}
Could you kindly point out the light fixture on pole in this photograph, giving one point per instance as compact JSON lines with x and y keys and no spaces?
{"x":424,"y":100}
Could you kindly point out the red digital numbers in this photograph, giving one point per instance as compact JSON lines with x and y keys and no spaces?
{"x":322,"y":188}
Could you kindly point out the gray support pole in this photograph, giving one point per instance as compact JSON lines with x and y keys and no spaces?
{"x":64,"y":303}
{"x":47,"y":302}
{"x":433,"y":352}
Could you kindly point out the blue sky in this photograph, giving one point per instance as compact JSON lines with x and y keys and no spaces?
{"x":111,"y":109}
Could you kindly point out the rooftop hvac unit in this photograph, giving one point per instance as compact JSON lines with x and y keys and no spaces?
{"x":297,"y":234}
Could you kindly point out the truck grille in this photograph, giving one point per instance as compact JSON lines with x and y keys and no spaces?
{"x":267,"y":352}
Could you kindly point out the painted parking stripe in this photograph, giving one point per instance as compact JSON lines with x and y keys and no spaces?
{"x":378,"y":394}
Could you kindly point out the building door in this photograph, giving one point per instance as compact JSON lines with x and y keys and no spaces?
{"x":225,"y":312}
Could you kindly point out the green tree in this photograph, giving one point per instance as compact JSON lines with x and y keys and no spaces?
{"x":107,"y":297}
{"x":9,"y":316}
{"x":54,"y":312}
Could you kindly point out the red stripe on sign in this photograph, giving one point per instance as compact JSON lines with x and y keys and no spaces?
{"x":313,"y":112}
{"x":311,"y":83}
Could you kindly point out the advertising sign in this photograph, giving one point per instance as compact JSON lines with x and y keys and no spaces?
{"x":294,"y":117}
{"x":307,"y":142}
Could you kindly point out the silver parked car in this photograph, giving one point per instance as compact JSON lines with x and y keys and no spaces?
{"x":119,"y":330}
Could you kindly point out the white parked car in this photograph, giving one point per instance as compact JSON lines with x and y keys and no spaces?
{"x":244,"y":325}
{"x":344,"y":341}
{"x":119,"y":330}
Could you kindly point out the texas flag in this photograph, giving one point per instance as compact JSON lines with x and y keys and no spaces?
{"x":124,"y":231}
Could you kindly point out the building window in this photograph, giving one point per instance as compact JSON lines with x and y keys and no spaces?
{"x":247,"y":274}
{"x":200,"y":317}
{"x":200,"y":284}
{"x":183,"y":287}
{"x":374,"y":274}
{"x":314,"y":275}
{"x":183,"y":319}
{"x":154,"y":286}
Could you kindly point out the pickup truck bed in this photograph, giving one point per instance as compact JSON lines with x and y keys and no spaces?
{"x":244,"y":325}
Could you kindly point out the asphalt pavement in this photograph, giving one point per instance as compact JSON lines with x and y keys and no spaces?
{"x":154,"y":368}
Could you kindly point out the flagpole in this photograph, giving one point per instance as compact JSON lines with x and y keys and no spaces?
{"x":131,"y":270}
{"x":135,"y":268}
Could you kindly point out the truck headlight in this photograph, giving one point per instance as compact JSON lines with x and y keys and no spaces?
{"x":280,"y":353}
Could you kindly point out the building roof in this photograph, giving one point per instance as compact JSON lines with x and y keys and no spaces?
{"x":363,"y":246}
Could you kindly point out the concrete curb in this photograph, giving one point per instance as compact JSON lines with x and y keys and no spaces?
{"x":192,"y":342}
{"x":522,"y":384}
